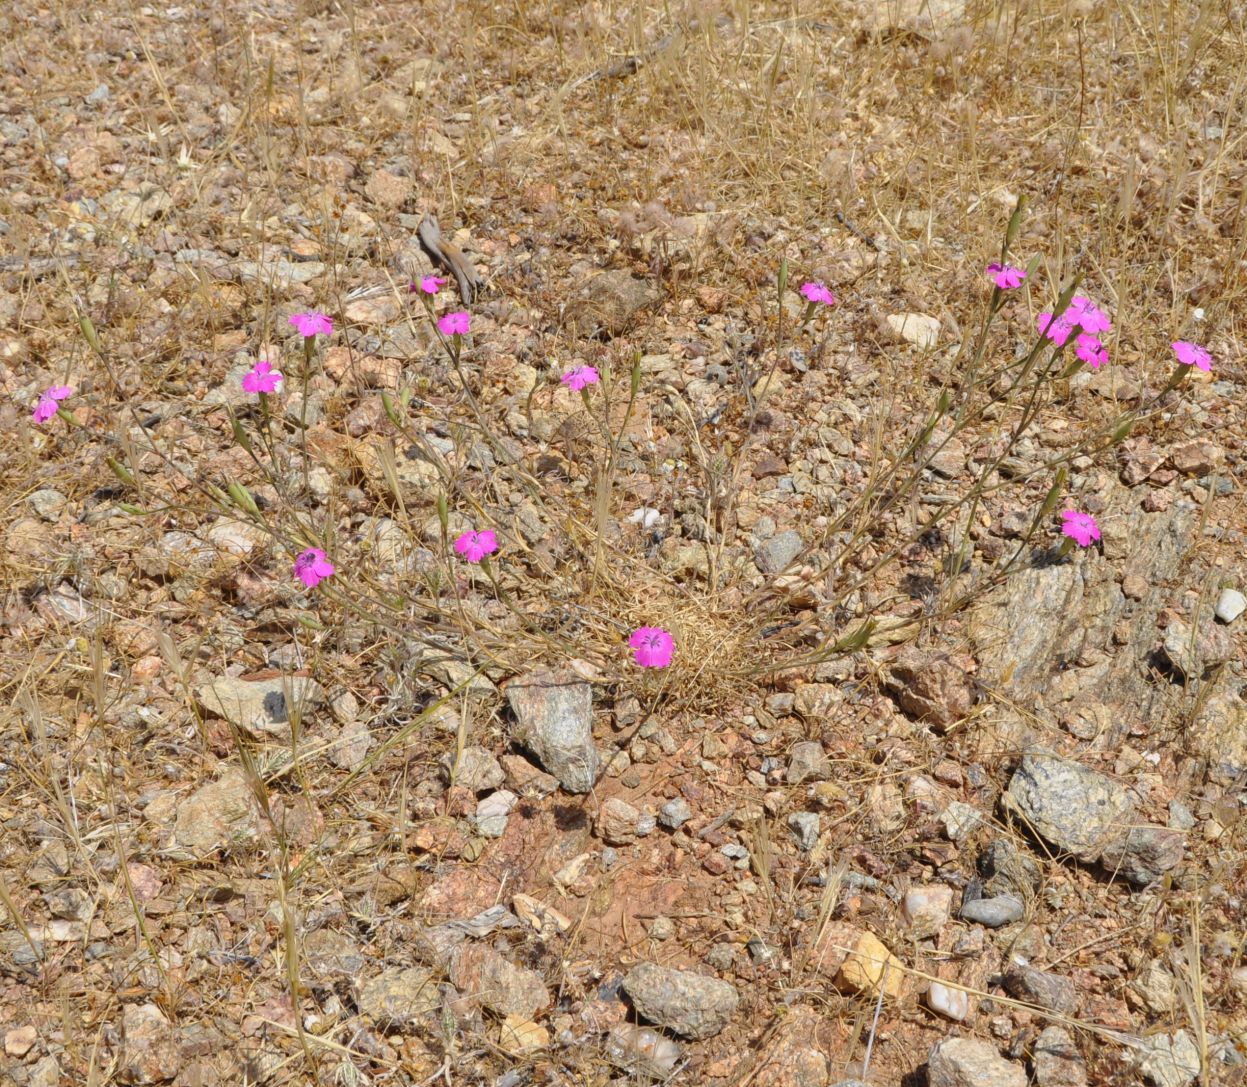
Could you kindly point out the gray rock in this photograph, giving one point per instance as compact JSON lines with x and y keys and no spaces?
{"x":261,"y":706}
{"x":774,"y":555}
{"x":1156,"y":987}
{"x":608,"y":304}
{"x":1075,"y":809}
{"x":554,"y":712}
{"x":1217,"y":735}
{"x":330,"y":955}
{"x":220,"y":816}
{"x":490,"y":817}
{"x":150,"y":1053}
{"x":675,"y":813}
{"x":690,"y":1005}
{"x":805,"y":825}
{"x":1051,"y":992}
{"x":1230,"y":604}
{"x":478,"y":770}
{"x":1144,"y":854}
{"x":806,"y":761}
{"x":1168,"y":1060}
{"x":399,"y":997}
{"x":642,"y":1051}
{"x":1192,"y":651}
{"x":1056,"y":1060}
{"x":995,"y":911}
{"x":968,"y":1062}
{"x":961,"y":820}
{"x":480,"y":973}
{"x":48,"y":503}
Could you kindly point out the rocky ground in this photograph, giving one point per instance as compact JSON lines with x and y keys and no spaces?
{"x":924,"y":797}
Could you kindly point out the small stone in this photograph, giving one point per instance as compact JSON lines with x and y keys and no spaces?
{"x":775,"y":554}
{"x":1155,"y":987}
{"x":608,"y":304}
{"x":1143,"y":854}
{"x":968,"y":1062}
{"x":522,"y":1035}
{"x":690,"y":1005}
{"x":491,"y":813}
{"x":1197,"y":457}
{"x":48,"y":503}
{"x":926,"y":910}
{"x":642,"y":1051}
{"x":526,"y":779}
{"x":482,"y":974}
{"x":661,"y":928}
{"x":794,"y":1058}
{"x":1230,"y":605}
{"x":399,"y":997}
{"x":1052,"y":992}
{"x":1056,"y":1060}
{"x":20,"y":1040}
{"x":950,"y":1002}
{"x":995,"y":911}
{"x":930,"y":687}
{"x":961,"y":820}
{"x":806,"y":826}
{"x":870,"y":967}
{"x":352,"y":746}
{"x":619,"y":823}
{"x":220,"y":816}
{"x":387,"y":189}
{"x":916,"y":328}
{"x":478,"y":770}
{"x":807,"y":760}
{"x":151,"y":1053}
{"x":554,"y":712}
{"x":675,"y":813}
{"x":1191,"y":652}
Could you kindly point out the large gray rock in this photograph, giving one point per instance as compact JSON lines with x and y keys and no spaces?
{"x":1077,"y":810}
{"x":688,"y":1004}
{"x":555,"y":722}
{"x":967,"y":1062}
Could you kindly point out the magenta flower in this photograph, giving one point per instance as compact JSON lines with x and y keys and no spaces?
{"x":652,"y":647}
{"x":312,"y":567}
{"x":455,"y":324}
{"x":312,"y":324}
{"x":1191,"y":354}
{"x":580,"y":377}
{"x":1006,"y":276}
{"x":1079,"y":527}
{"x":815,"y":292}
{"x":474,"y":546}
{"x":1081,"y":313}
{"x":262,"y":378}
{"x":431,"y":284}
{"x":1089,"y":348}
{"x":48,"y":405}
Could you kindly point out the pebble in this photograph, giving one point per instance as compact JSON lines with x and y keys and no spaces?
{"x":1056,"y":1060}
{"x":151,"y":1053}
{"x":994,"y":912}
{"x":949,"y":1002}
{"x":926,"y":910}
{"x":1230,"y":605}
{"x":619,"y":823}
{"x":675,"y":813}
{"x":690,"y":1005}
{"x":20,"y":1040}
{"x":478,"y":770}
{"x":807,"y":760}
{"x":399,"y":997}
{"x":222,"y":815}
{"x":661,"y":928}
{"x":1052,"y":992}
{"x":491,"y":813}
{"x":1168,"y":1060}
{"x":642,"y":1051}
{"x":262,"y":706}
{"x":806,"y":826}
{"x":775,"y":554}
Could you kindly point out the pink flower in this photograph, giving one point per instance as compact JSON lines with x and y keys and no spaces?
{"x":815,"y":292}
{"x":431,"y":284}
{"x":1091,"y":350}
{"x":312,"y":567}
{"x":1081,"y":312}
{"x":580,"y":377}
{"x":455,"y":324}
{"x":312,"y":324}
{"x":1006,"y":276}
{"x":1191,"y":354}
{"x":653,"y":647}
{"x":474,"y":546}
{"x":1079,"y":527}
{"x":48,"y":406}
{"x":262,"y":378}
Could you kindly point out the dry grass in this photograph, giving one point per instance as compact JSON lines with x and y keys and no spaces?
{"x":702,"y":148}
